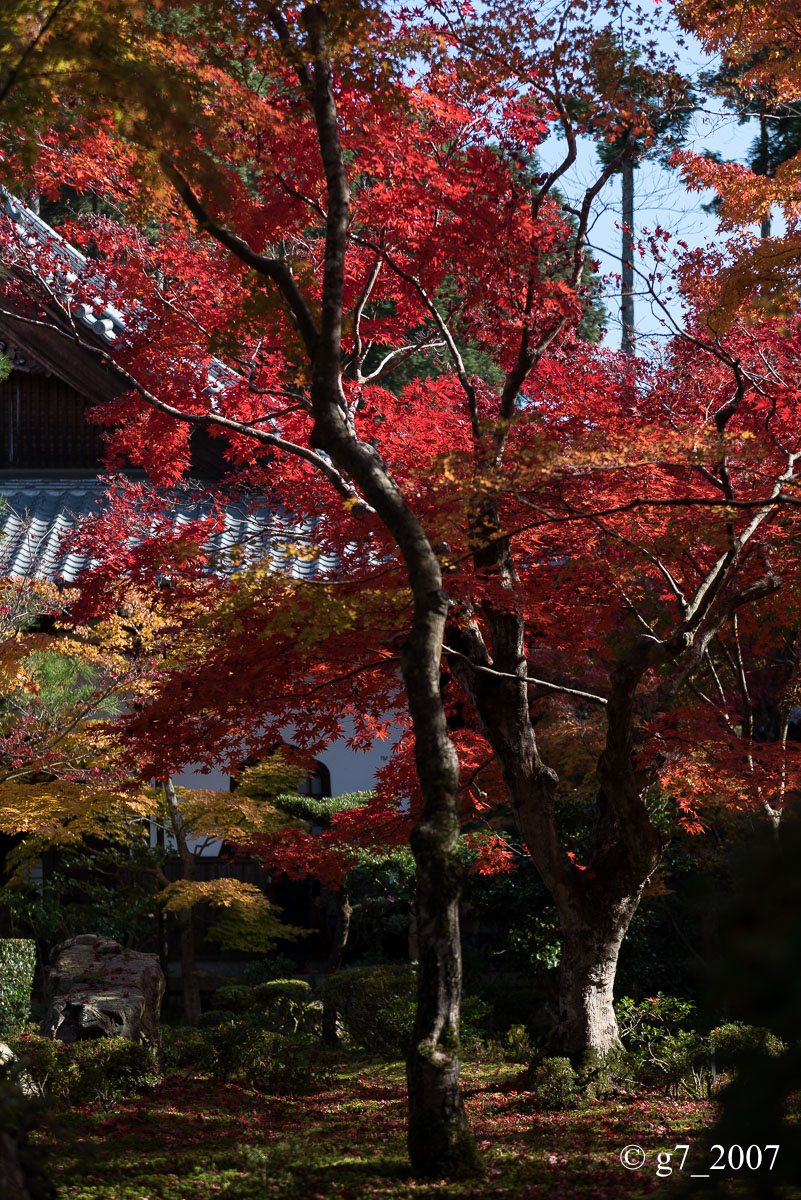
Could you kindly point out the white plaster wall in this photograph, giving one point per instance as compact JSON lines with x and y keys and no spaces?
{"x":351,"y":770}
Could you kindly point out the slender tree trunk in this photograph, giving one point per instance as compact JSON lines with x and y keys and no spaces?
{"x":186,"y":928}
{"x":439,"y":1138}
{"x":340,"y":940}
{"x":414,"y":948}
{"x":189,"y":985}
{"x":628,"y":344}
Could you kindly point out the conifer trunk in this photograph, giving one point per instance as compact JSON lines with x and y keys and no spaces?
{"x":627,"y":258}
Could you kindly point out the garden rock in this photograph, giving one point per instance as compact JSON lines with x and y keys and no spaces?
{"x":99,"y":989}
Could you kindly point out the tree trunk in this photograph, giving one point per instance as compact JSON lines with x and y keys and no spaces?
{"x":340,"y":940}
{"x":764,"y":169}
{"x":439,"y":1139}
{"x":586,"y":980}
{"x":189,"y":985}
{"x":186,"y":928}
{"x":627,"y":259}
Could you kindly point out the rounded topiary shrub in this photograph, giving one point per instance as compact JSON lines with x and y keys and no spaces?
{"x":233,"y":997}
{"x":375,"y":1004}
{"x":736,"y":1040}
{"x":17,"y":966}
{"x":282,"y":989}
{"x":284,"y":1004}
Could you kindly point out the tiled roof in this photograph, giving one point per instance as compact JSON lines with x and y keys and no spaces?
{"x":32,"y":230}
{"x":36,"y":513}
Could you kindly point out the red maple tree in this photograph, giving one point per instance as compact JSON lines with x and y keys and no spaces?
{"x":542,"y":553}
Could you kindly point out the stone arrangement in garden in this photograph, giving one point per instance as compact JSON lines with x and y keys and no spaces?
{"x":99,"y":989}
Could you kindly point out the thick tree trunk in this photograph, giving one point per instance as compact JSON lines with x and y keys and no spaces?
{"x":338,"y":944}
{"x":586,"y":981}
{"x":627,"y":259}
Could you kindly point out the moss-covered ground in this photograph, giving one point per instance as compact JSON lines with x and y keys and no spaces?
{"x":194,"y":1138}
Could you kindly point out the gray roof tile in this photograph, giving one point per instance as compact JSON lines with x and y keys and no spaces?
{"x":36,"y":514}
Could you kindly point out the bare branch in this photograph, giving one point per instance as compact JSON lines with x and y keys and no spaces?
{"x":272,"y":268}
{"x":528,"y":679}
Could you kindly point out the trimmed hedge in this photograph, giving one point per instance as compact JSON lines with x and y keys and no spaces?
{"x":375,"y":1004}
{"x":17,"y":966}
{"x":377,"y":1007}
{"x":283,"y":1005}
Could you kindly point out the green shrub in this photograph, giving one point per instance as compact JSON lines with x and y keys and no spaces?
{"x":281,"y":1066}
{"x":518,"y":1047}
{"x":233,"y":997}
{"x":377,"y":1007}
{"x":554,"y":1085}
{"x":109,"y":1069}
{"x":284,"y":1005}
{"x":44,"y":1060}
{"x":17,"y":966}
{"x":297,"y":990}
{"x":92,"y":1071}
{"x":641,"y":1022}
{"x":662,"y":1053}
{"x":186,"y":1048}
{"x":241,"y":1048}
{"x":735,"y":1040}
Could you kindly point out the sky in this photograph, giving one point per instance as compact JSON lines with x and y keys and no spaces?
{"x":660,"y":197}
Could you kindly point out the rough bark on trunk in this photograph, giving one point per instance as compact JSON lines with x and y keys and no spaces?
{"x":627,"y":258}
{"x":338,"y":944}
{"x":586,"y":981}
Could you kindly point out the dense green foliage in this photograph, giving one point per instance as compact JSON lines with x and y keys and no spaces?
{"x":93,"y":1071}
{"x":103,"y":888}
{"x":17,"y":966}
{"x":229,"y":1047}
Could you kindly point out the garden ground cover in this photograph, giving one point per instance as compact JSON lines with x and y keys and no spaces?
{"x":194,"y":1138}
